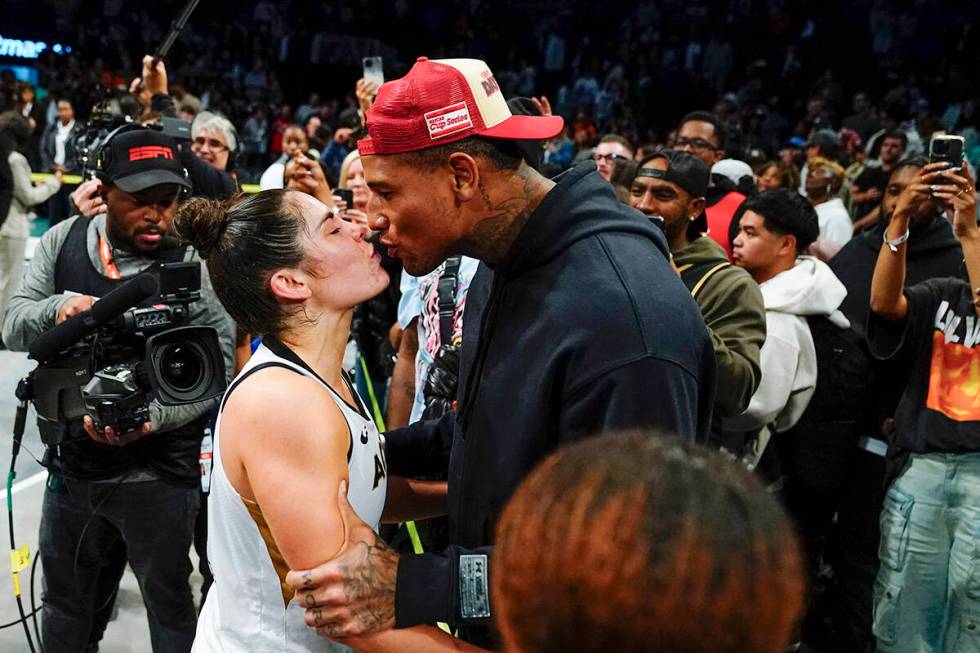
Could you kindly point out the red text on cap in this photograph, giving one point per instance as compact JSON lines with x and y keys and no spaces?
{"x":150,"y":152}
{"x":448,"y":120}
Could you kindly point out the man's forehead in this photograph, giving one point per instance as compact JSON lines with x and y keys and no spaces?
{"x":698,"y":129}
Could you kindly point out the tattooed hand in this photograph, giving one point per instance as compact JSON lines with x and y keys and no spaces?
{"x":353,"y":594}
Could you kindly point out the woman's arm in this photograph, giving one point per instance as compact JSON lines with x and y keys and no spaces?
{"x":960,"y":195}
{"x":290,"y":441}
{"x":411,"y":499}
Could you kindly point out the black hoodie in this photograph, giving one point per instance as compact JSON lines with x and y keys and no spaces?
{"x":582,"y":329}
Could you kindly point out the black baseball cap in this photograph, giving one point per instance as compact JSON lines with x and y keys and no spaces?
{"x":687,"y":171}
{"x":143,"y":158}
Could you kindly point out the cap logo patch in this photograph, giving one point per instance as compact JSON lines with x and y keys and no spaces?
{"x":448,"y":120}
{"x":489,"y":83}
{"x":150,"y":152}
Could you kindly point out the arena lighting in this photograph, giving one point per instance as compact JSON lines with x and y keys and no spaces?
{"x":27,"y":49}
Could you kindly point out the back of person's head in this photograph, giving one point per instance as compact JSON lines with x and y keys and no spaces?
{"x":634,"y":542}
{"x":15,"y":129}
{"x":786,"y":212}
{"x":245,"y":240}
{"x":721,"y":131}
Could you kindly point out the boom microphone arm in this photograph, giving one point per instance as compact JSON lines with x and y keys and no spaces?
{"x":114,"y":304}
{"x":174,"y":32}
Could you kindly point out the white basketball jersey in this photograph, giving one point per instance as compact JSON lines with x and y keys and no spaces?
{"x":249,"y":608}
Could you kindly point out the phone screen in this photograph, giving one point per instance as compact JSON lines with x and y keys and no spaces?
{"x":374,"y":70}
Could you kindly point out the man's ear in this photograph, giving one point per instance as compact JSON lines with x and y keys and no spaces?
{"x":787,"y":245}
{"x":466,"y":176}
{"x":290,"y":284}
{"x":695,"y":207}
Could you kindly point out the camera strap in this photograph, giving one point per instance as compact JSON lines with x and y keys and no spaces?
{"x":447,"y":299}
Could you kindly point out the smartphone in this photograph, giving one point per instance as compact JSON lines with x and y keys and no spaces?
{"x":945,"y":147}
{"x":346,"y":195}
{"x":374,"y":70}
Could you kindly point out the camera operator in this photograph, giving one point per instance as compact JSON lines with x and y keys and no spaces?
{"x":107,"y":491}
{"x":206,"y":162}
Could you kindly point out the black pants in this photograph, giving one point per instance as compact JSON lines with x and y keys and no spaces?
{"x":84,"y":529}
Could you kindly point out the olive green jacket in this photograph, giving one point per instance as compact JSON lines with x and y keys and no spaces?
{"x":732,"y":306}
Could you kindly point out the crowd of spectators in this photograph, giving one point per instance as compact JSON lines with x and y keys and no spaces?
{"x":772,"y":70}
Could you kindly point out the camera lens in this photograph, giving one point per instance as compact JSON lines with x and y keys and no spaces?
{"x":181,"y":367}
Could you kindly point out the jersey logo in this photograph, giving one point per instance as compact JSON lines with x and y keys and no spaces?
{"x":364,"y":435}
{"x":380,"y":466}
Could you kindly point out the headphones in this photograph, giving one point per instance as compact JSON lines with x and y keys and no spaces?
{"x":103,"y":158}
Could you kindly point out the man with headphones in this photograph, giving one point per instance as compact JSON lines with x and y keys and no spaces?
{"x":117,"y":497}
{"x":214,"y":141}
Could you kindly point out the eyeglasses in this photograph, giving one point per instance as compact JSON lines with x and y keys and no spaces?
{"x":607,"y":157}
{"x":212,"y":143}
{"x":692,"y":144}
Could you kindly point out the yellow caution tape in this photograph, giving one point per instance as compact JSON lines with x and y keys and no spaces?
{"x":69,"y":180}
{"x":20,"y":558}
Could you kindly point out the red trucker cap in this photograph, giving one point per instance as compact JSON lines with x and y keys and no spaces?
{"x":442,"y":101}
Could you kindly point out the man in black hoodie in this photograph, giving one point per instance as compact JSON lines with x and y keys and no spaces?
{"x":580,"y":327}
{"x":933,"y":252}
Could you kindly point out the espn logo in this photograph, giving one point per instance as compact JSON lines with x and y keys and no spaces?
{"x":448,"y":120}
{"x":150,"y":152}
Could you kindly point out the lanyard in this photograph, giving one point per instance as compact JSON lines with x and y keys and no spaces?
{"x":107,"y":262}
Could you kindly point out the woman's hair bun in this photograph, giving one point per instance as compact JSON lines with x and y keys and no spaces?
{"x":202,"y":222}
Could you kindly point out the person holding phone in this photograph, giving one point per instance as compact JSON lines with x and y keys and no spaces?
{"x":927,"y":593}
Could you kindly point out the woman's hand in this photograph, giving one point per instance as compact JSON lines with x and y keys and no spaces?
{"x":959,"y":194}
{"x":365,"y":92}
{"x":920,"y":191}
{"x":306,"y":176}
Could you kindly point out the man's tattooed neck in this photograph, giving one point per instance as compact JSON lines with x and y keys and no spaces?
{"x":492,"y":235}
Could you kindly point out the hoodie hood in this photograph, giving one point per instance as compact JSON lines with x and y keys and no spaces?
{"x":585,"y":205}
{"x":809,"y":288}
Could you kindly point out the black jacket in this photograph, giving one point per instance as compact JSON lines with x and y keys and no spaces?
{"x":932,"y":252}
{"x":582,"y":329}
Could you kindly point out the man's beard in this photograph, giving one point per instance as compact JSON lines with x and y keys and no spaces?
{"x":127,"y":242}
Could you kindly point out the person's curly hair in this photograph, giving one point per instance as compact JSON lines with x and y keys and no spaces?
{"x":635,"y":542}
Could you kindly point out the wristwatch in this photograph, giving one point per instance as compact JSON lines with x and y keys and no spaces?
{"x":893,"y":244}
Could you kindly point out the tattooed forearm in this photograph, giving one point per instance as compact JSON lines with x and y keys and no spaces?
{"x":369,"y":585}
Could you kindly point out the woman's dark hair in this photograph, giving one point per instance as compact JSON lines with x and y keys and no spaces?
{"x":636,"y":542}
{"x":786,"y":212}
{"x":16,"y":129}
{"x":244,"y":241}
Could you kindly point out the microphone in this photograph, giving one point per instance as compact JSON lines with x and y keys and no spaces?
{"x":114,"y":304}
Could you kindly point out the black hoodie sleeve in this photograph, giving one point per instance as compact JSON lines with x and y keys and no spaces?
{"x":451,"y":587}
{"x":674,"y":405}
{"x":420,"y":448}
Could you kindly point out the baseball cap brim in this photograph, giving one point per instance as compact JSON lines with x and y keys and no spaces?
{"x":516,"y":127}
{"x":519,"y":127}
{"x":143,"y":180}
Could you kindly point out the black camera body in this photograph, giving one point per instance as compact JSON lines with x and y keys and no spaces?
{"x":104,"y":123}
{"x":143,"y":354}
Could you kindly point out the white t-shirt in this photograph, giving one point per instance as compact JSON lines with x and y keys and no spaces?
{"x":835,"y":222}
